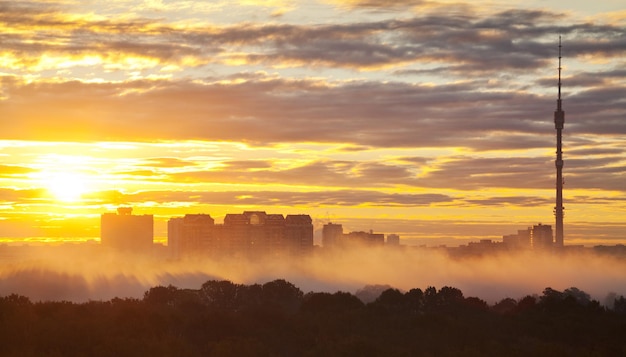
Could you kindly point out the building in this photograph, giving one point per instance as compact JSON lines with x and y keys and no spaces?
{"x":123,"y":231}
{"x":536,"y":237}
{"x":191,"y":234}
{"x":251,"y":234}
{"x":393,"y":240}
{"x":299,"y":234}
{"x":518,"y":241}
{"x":482,"y":247}
{"x":365,"y":238}
{"x":331,"y":235}
{"x":541,"y":236}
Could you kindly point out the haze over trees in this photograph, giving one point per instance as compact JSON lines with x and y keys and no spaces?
{"x":222,"y":318}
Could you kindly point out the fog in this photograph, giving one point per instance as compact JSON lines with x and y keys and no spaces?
{"x":77,"y":276}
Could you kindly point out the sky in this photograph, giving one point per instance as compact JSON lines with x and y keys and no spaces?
{"x":429,"y":119}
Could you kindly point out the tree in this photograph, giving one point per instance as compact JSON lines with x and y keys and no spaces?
{"x":369,"y":293}
{"x":581,"y":297}
{"x":619,"y":305}
{"x":415,"y":300}
{"x":505,"y":306}
{"x":330,"y":303}
{"x":222,"y":294}
{"x":391,"y":298}
{"x":526,"y":303}
{"x":161,"y":295}
{"x":449,"y":296}
{"x":430,"y":298}
{"x":282,"y":294}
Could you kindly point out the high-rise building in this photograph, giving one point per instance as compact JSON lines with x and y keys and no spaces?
{"x":365,"y":238}
{"x":393,"y":239}
{"x":331,"y":235}
{"x":541,"y":236}
{"x":538,"y":237}
{"x":123,"y":231}
{"x":521,"y":240}
{"x":191,"y":234}
{"x":299,"y":234}
{"x":251,"y":234}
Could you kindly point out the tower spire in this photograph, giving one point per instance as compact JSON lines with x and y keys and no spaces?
{"x":559,"y":120}
{"x":559,"y":97}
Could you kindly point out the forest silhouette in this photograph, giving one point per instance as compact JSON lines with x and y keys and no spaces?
{"x":223,"y":318}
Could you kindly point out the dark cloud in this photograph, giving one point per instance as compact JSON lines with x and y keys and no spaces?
{"x":586,"y":79}
{"x":521,"y":201}
{"x":467,"y":173}
{"x":318,"y":173}
{"x":273,"y":198}
{"x":476,"y":173}
{"x":594,"y":200}
{"x":514,"y":40}
{"x":362,"y":113}
{"x":333,"y":198}
{"x":595,"y":151}
{"x":381,"y":4}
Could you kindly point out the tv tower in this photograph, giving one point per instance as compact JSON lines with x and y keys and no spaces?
{"x":559,"y":120}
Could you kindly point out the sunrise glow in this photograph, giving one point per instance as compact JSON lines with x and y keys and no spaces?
{"x":66,"y":186}
{"x":430,"y":120}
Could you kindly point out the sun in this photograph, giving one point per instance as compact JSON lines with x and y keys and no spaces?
{"x":66,"y":186}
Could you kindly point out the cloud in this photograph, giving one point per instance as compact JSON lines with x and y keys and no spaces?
{"x":13,"y":170}
{"x":168,"y":162}
{"x":380,"y":4}
{"x":361,"y":113}
{"x":21,"y":195}
{"x":512,"y":40}
{"x":277,"y":198}
{"x":511,"y":201}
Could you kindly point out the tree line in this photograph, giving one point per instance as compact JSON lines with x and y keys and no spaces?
{"x":222,"y":318}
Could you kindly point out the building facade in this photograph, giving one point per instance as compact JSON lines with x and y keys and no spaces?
{"x":333,"y":236}
{"x":536,"y":237}
{"x":541,"y":236}
{"x":251,"y":234}
{"x":393,"y":240}
{"x":125,"y":232}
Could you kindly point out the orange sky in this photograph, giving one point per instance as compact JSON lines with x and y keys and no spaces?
{"x":430,"y":120}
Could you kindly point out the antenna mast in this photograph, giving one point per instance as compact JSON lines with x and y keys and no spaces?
{"x":559,"y":120}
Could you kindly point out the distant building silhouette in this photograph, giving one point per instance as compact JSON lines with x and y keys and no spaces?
{"x":521,"y":240}
{"x":393,"y":240}
{"x":251,"y":233}
{"x":126,"y":232}
{"x":190,"y":234}
{"x":367,"y":238}
{"x":541,"y":237}
{"x":536,"y":237}
{"x":333,"y":236}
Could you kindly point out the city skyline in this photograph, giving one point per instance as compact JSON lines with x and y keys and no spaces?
{"x":430,"y":120}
